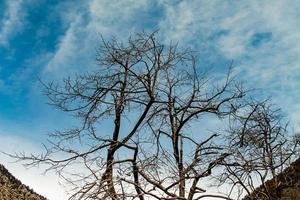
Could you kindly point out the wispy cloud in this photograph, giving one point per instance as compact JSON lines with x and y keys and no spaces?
{"x":12,"y":21}
{"x":262,"y":38}
{"x":76,"y":48}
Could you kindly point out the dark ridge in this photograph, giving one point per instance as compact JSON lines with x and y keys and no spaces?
{"x":287,"y":189}
{"x":12,"y":189}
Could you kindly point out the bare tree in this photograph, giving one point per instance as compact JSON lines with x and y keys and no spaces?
{"x":136,"y":113}
{"x":261,"y":148}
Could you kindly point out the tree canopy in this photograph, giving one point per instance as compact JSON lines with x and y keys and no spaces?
{"x":152,"y":96}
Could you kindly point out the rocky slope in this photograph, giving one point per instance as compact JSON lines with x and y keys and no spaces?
{"x":288,"y":189}
{"x":12,"y":189}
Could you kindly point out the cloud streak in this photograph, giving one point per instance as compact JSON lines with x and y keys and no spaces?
{"x":12,"y":21}
{"x":75,"y":50}
{"x":262,"y":38}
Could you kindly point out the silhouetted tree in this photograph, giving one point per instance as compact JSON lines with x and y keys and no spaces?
{"x":261,"y":147}
{"x":151,"y":95}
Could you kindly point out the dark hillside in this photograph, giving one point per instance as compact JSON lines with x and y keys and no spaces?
{"x":12,"y":189}
{"x":288,"y":188}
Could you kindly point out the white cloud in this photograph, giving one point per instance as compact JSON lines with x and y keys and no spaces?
{"x":227,"y":30}
{"x":219,"y":30}
{"x":76,"y":49}
{"x":46,"y":185}
{"x":69,"y":45}
{"x":12,"y":21}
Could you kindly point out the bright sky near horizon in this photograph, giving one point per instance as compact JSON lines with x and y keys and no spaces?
{"x":52,"y":39}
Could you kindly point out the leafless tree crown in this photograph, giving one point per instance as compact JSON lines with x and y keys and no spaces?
{"x":136,"y":113}
{"x":261,"y":148}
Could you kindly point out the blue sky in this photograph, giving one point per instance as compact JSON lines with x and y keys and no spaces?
{"x":52,"y":39}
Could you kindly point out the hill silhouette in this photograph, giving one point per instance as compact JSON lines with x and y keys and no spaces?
{"x":12,"y":189}
{"x":287,"y":189}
